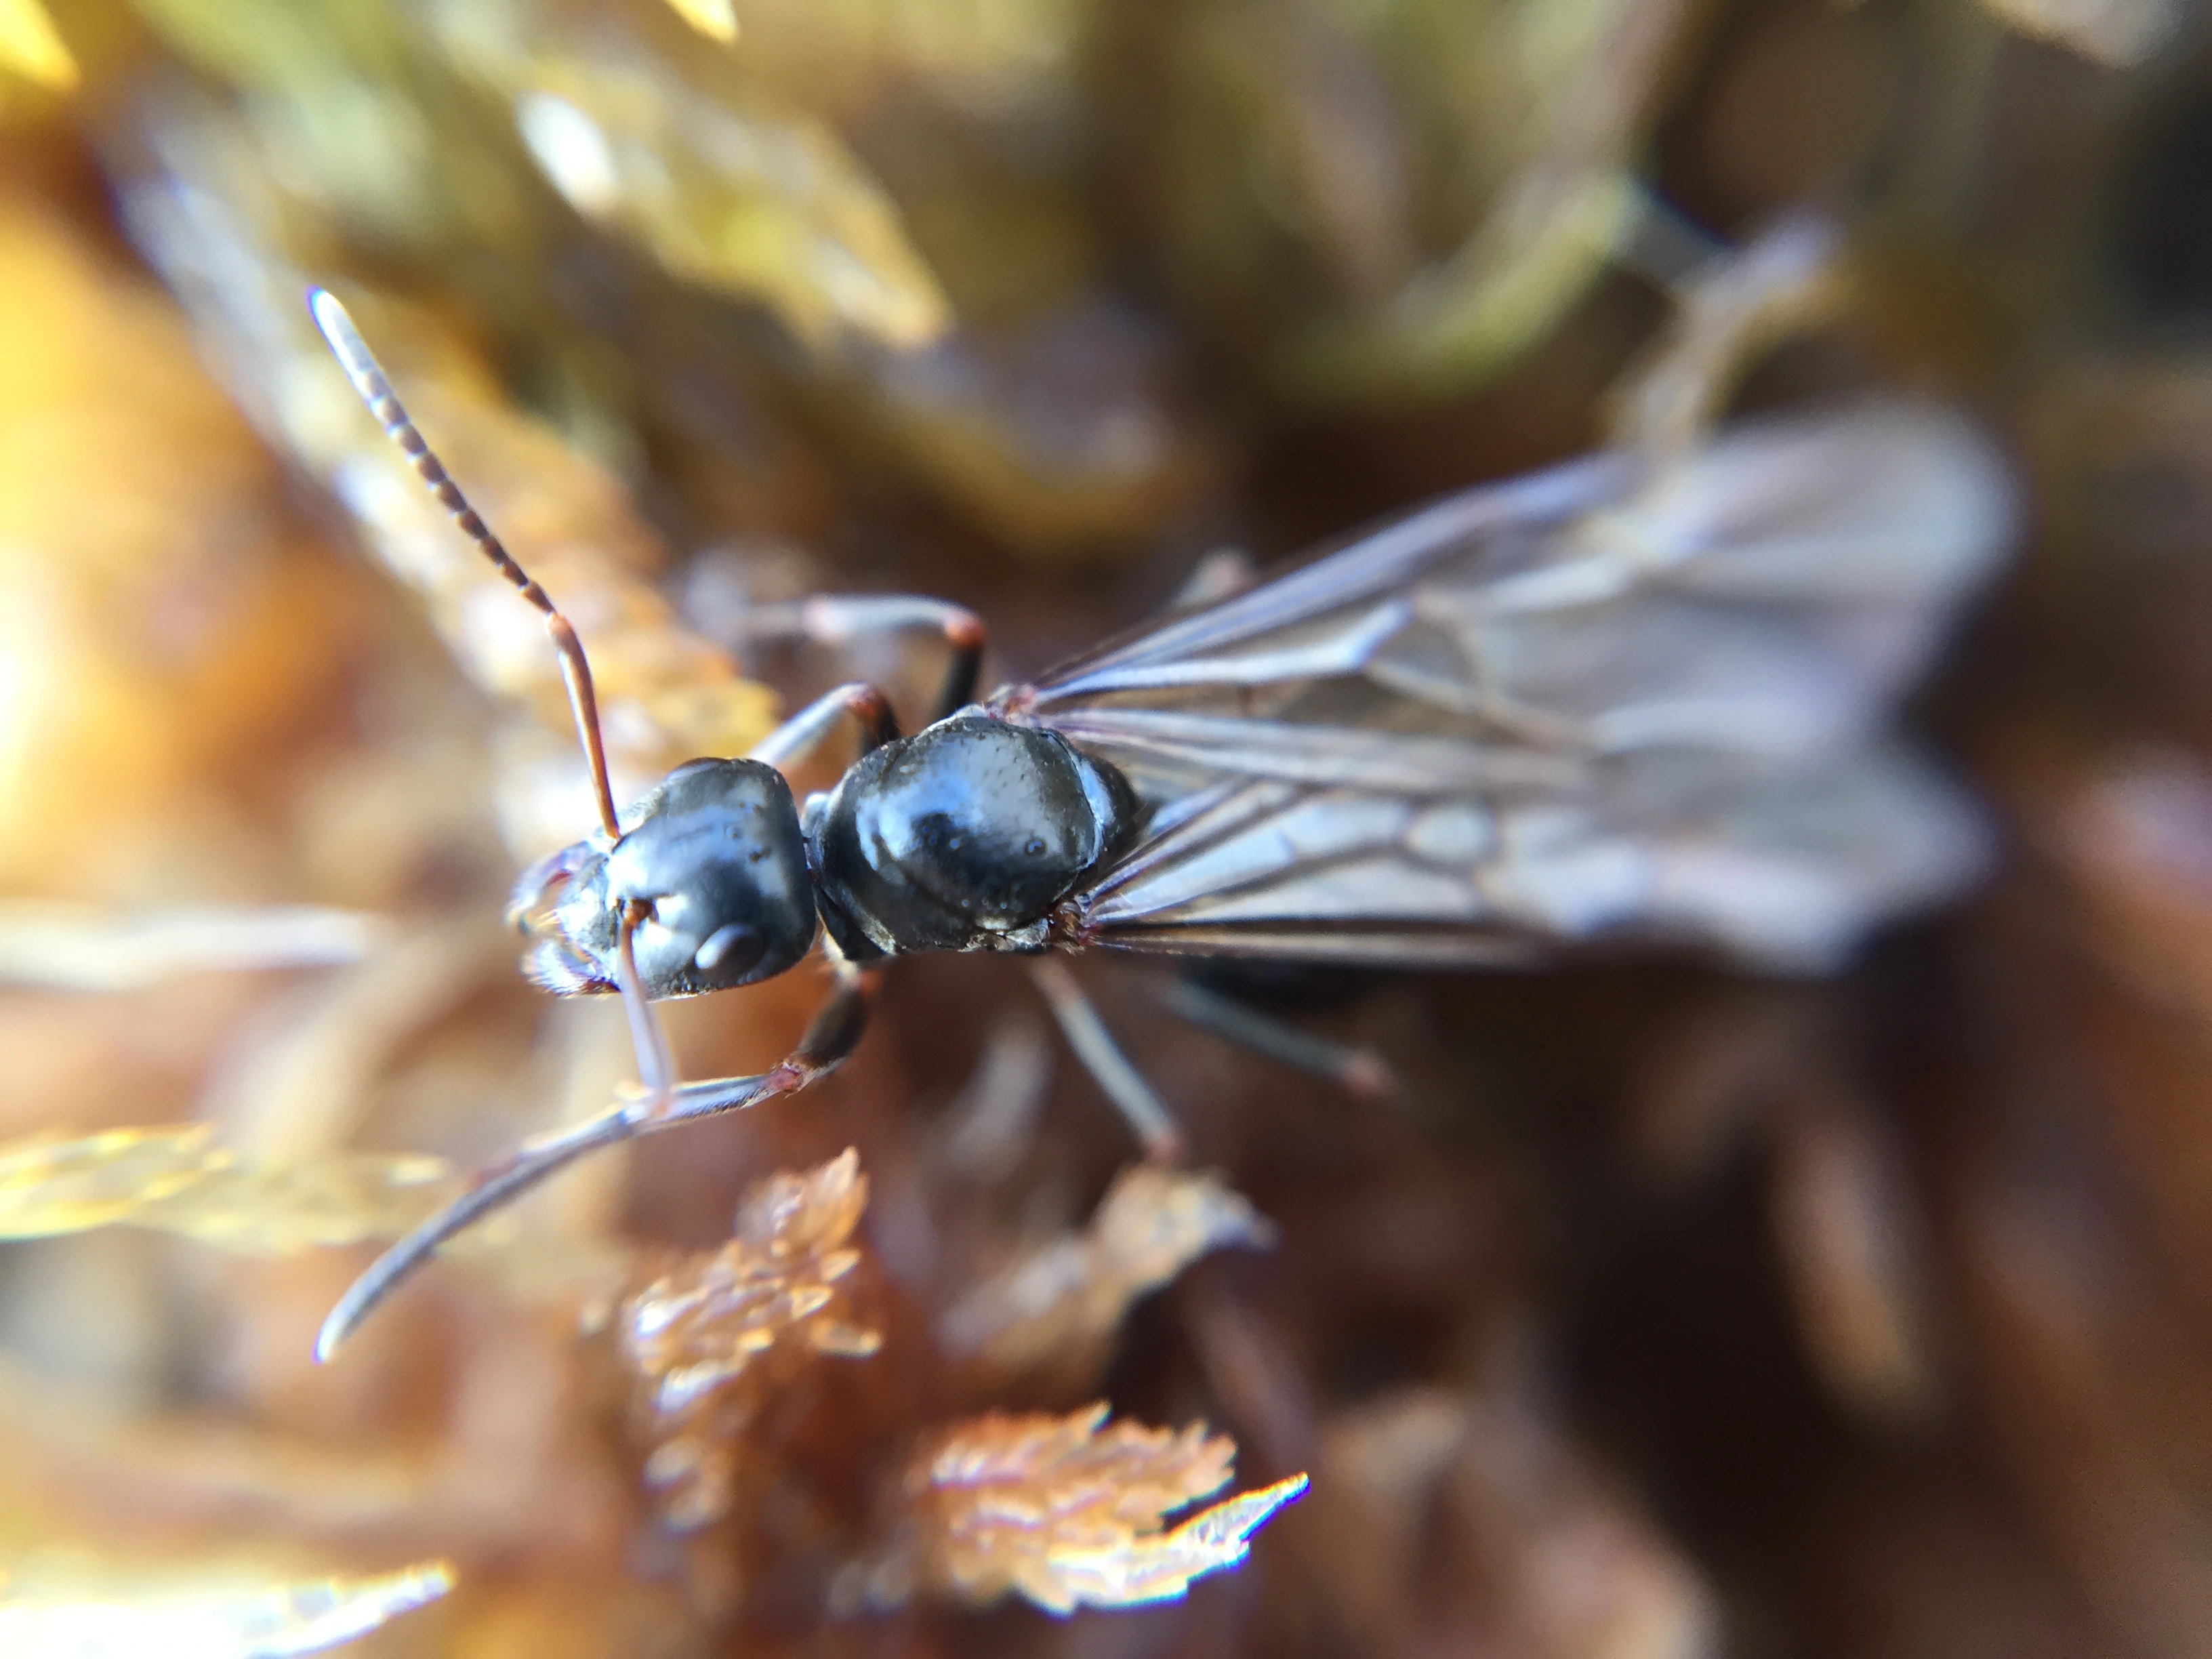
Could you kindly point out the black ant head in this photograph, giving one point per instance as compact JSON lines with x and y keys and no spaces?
{"x":715,"y":857}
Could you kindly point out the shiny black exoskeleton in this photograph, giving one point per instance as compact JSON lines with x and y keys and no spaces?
{"x":963,"y":837}
{"x":716,"y":858}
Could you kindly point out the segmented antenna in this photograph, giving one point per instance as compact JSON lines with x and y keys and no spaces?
{"x":654,"y":1064}
{"x":368,"y":379}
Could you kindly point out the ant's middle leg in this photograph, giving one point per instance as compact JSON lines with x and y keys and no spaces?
{"x":1358,"y":1070}
{"x":1123,"y":1084}
{"x":804,"y":731}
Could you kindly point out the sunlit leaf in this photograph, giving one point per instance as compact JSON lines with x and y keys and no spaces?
{"x":273,"y":45}
{"x":740,"y":198}
{"x":173,"y":1178}
{"x":30,"y":48}
{"x":715,"y":19}
{"x":77,"y":1613}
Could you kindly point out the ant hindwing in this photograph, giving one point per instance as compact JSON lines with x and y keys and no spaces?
{"x":1637,"y":697}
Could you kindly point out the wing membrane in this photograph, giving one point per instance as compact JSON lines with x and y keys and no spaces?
{"x":1585,"y":704}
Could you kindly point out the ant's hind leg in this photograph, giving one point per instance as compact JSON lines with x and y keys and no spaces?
{"x":1359,"y":1071}
{"x":836,"y":619}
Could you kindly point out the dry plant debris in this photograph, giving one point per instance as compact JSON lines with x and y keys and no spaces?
{"x":1022,"y":305}
{"x":1469,"y":1511}
{"x":715,"y":1337}
{"x":1059,"y":1302}
{"x":174,"y":1178}
{"x":1069,"y":1512}
{"x":54,"y":1612}
{"x":84,"y":949}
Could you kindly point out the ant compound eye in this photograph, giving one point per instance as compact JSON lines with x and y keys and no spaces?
{"x":732,"y":948}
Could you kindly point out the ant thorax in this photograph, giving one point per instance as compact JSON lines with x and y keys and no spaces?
{"x":962,"y":837}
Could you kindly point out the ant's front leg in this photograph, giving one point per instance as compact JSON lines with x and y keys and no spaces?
{"x":805,"y":731}
{"x":830,"y":1038}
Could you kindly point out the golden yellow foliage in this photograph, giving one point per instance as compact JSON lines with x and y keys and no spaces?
{"x":740,"y":196}
{"x":30,"y":48}
{"x":174,"y":1178}
{"x":715,"y":19}
{"x":151,"y":626}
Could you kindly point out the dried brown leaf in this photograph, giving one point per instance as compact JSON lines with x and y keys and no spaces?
{"x":1468,"y":1522}
{"x":1852,"y":1244}
{"x":1070,"y":1294}
{"x":1069,"y":1512}
{"x":717,"y":1335}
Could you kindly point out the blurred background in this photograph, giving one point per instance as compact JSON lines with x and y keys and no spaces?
{"x":1660,"y":1311}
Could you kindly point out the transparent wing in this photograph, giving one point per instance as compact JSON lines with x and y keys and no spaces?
{"x":1584,"y":704}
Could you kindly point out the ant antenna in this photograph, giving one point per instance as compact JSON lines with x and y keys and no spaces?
{"x":654,"y":1064}
{"x":368,"y":379}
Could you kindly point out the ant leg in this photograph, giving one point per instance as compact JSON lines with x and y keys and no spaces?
{"x":1155,"y":1125}
{"x":827,"y":1042}
{"x":804,"y":731}
{"x":1358,"y":1070}
{"x":368,"y":379}
{"x":1733,"y":308}
{"x":656,"y":1066}
{"x":838,"y":618}
{"x":830,"y":1038}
